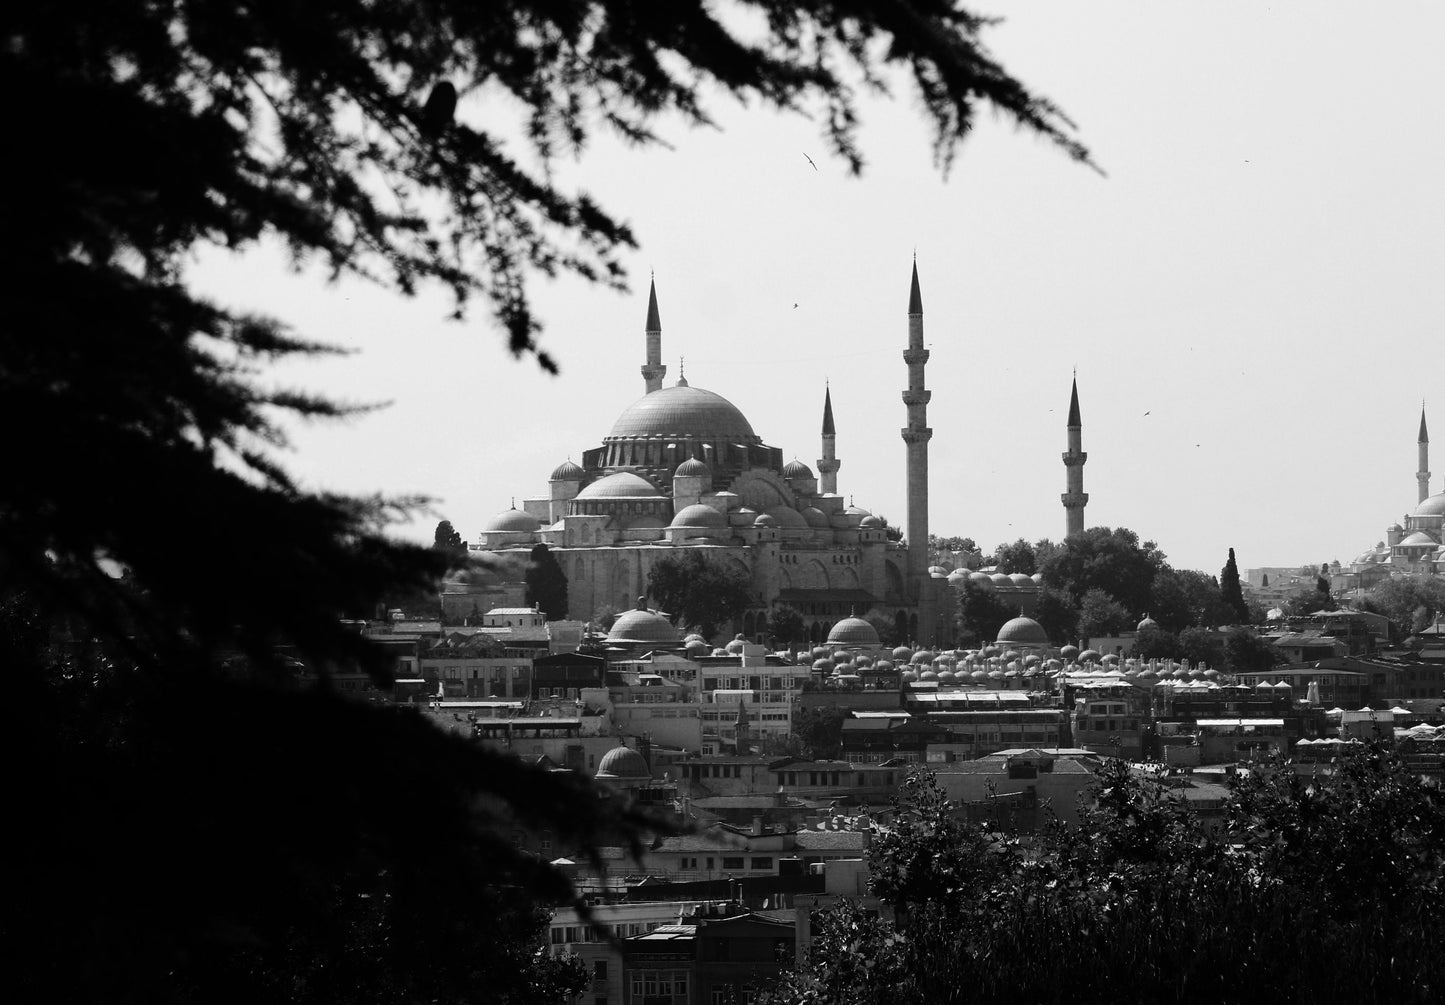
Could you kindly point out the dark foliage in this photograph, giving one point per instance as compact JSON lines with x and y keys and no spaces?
{"x":697,"y":592}
{"x":546,"y":583}
{"x":980,"y":614}
{"x":1112,"y":560}
{"x":1231,"y":591}
{"x":786,"y":625}
{"x":1317,"y":889}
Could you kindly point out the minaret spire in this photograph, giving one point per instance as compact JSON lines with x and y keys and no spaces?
{"x":829,"y":464}
{"x":653,"y":371}
{"x":1422,"y":476}
{"x":1074,"y":498}
{"x":916,"y":435}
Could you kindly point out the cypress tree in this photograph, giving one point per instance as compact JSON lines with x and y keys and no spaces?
{"x":1231,"y":591}
{"x":546,"y":583}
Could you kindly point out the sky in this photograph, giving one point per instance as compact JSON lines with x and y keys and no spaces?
{"x":1252,"y":296}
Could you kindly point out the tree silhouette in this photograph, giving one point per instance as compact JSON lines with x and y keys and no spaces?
{"x":1231,"y":590}
{"x":160,"y":681}
{"x":546,"y":583}
{"x":697,"y":592}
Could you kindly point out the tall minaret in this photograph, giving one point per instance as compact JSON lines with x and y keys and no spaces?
{"x":1423,"y":475}
{"x":653,"y":371}
{"x":1075,"y":498}
{"x":829,"y":464}
{"x":917,"y":435}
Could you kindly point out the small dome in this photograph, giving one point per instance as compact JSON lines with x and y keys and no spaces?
{"x":857,"y":511}
{"x":816,"y":517}
{"x":823,"y":665}
{"x":623,"y":762}
{"x":908,"y":676}
{"x":1069,"y":652}
{"x":1001,"y":579}
{"x":513,"y":521}
{"x":854,"y":632}
{"x":797,"y":469}
{"x":620,"y":485}
{"x":903,"y":653}
{"x":765,"y":520}
{"x":1089,"y":656}
{"x":692,"y":468}
{"x":872,"y":522}
{"x":1023,"y":631}
{"x":642,"y":625}
{"x":981,"y":579}
{"x":736,"y":645}
{"x":937,"y":571}
{"x":958,"y":576}
{"x":924,"y":657}
{"x":928,"y":675}
{"x":567,"y":472}
{"x":1148,"y":622}
{"x":1022,"y":582}
{"x":945,"y":676}
{"x":698,"y":515}
{"x":697,"y":647}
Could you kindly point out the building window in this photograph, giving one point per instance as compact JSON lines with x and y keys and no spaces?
{"x":763,"y":862}
{"x":732,"y":863}
{"x":599,"y":970}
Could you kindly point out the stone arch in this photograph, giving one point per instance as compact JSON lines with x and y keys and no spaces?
{"x":845,"y":578}
{"x":894,"y":578}
{"x":785,"y":581}
{"x":748,"y":624}
{"x":913,"y":626}
{"x":900,"y":626}
{"x":813,"y":575}
{"x":762,"y":490}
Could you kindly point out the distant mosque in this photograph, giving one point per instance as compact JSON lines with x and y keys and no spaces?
{"x":1415,"y":547}
{"x":683,"y":468}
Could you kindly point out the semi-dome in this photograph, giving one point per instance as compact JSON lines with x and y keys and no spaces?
{"x":797,"y":469}
{"x":693,"y":468}
{"x":1023,"y":631}
{"x":1432,"y":506}
{"x":1419,"y":538}
{"x":684,"y":411}
{"x":854,"y":632}
{"x":567,"y":471}
{"x":698,"y":515}
{"x":513,"y":521}
{"x":620,"y":485}
{"x":787,"y":516}
{"x":872,"y":522}
{"x":815,"y":517}
{"x":623,"y":762}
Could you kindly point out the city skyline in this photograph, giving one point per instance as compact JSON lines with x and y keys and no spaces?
{"x":1251,"y":297}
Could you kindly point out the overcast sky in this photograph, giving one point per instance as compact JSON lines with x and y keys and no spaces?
{"x":1253,"y":296}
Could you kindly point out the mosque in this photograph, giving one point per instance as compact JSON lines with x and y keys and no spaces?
{"x":1415,"y":547}
{"x":682,"y":467}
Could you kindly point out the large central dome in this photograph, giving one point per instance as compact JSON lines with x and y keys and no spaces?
{"x":684,"y":411}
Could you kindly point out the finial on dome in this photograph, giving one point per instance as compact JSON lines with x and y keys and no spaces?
{"x":514,"y":502}
{"x":681,"y":372}
{"x":642,"y":603}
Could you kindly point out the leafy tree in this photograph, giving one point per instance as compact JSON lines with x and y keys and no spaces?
{"x":786,"y":624}
{"x":1130,"y":899}
{"x":1231,"y":590}
{"x":1201,"y":645}
{"x":329,"y":128}
{"x":980,"y":614}
{"x":546,"y":583}
{"x":886,"y":628}
{"x":963,"y":544}
{"x":1016,"y":557}
{"x":698,"y":592}
{"x":1157,"y":643}
{"x":1246,"y":652}
{"x":1101,"y":615}
{"x":1410,"y":602}
{"x":448,"y":541}
{"x":819,"y":731}
{"x":1056,"y":615}
{"x":1181,"y":598}
{"x":1112,"y":560}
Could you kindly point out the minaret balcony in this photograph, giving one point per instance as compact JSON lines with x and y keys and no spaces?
{"x":1074,"y":500}
{"x":1074,"y":460}
{"x":913,"y":435}
{"x":912,"y":398}
{"x":915,"y":356}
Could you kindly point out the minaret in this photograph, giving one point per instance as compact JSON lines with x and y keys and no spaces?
{"x":653,"y":371}
{"x":917,"y":435}
{"x":829,"y":464}
{"x":1423,"y":475}
{"x":1075,"y":498}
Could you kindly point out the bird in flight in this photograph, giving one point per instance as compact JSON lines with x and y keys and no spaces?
{"x":1150,"y":410}
{"x":795,"y":307}
{"x":810,"y":161}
